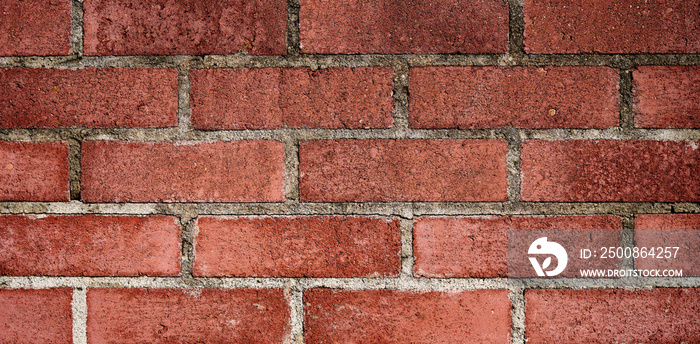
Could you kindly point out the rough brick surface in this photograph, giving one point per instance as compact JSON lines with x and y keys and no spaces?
{"x":267,"y":98}
{"x":34,"y":171}
{"x":526,"y":97}
{"x":624,"y":26}
{"x":612,"y":316}
{"x":666,"y":97}
{"x":170,"y":27}
{"x":89,"y":245}
{"x":669,"y":230}
{"x":317,"y":246}
{"x":35,"y":27}
{"x":110,"y":97}
{"x":36,"y":316}
{"x":610,"y":171}
{"x":187,"y":316}
{"x":390,"y":316}
{"x":390,"y":27}
{"x":235,"y":171}
{"x":478,"y":246}
{"x":402,"y":170}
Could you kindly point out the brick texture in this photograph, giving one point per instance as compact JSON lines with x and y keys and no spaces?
{"x":390,"y":316}
{"x":36,"y":316}
{"x":610,"y":316}
{"x":187,"y":316}
{"x":110,"y":97}
{"x":34,"y":171}
{"x":89,"y":245}
{"x":669,"y":230}
{"x":390,"y":27}
{"x":624,"y":26}
{"x":526,"y":97}
{"x":610,"y":171}
{"x":402,"y":170}
{"x":268,"y":98}
{"x":236,"y":171}
{"x":171,"y":27}
{"x":666,"y":97}
{"x":478,"y":246}
{"x":35,"y":27}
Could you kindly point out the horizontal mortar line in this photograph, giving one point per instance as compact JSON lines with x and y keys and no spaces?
{"x":302,"y":134}
{"x":402,"y":283}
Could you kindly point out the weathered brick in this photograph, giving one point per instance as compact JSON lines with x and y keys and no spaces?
{"x":622,"y":26}
{"x":34,"y":171}
{"x":235,"y":171}
{"x":267,"y":98}
{"x":192,"y":27}
{"x":35,"y":27}
{"x":391,"y":316}
{"x":390,"y":27}
{"x":478,"y":246}
{"x":89,"y":245}
{"x":92,"y":97}
{"x":665,"y":315}
{"x":402,"y":170}
{"x":669,"y":230}
{"x":525,"y":97}
{"x":187,"y":316}
{"x":36,"y":316}
{"x":666,"y":97}
{"x":610,"y":171}
{"x":308,"y":246}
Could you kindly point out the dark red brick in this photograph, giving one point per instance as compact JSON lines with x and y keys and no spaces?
{"x":35,"y":27}
{"x":610,"y":171}
{"x":234,"y":171}
{"x":187,"y":316}
{"x":89,"y":245}
{"x":478,"y":246}
{"x":612,"y":316}
{"x":666,"y":97}
{"x":34,"y":171}
{"x":36,"y":316}
{"x":391,"y":27}
{"x":192,"y":27}
{"x":391,"y":316}
{"x":669,"y":230}
{"x":525,"y":97}
{"x":622,"y":26}
{"x":308,"y":246}
{"x":267,"y":98}
{"x":402,"y":170}
{"x":109,"y":97}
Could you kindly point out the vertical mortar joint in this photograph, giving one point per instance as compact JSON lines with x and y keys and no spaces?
{"x":400,"y":94}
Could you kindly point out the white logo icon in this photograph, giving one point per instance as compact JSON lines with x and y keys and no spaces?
{"x":542,"y":246}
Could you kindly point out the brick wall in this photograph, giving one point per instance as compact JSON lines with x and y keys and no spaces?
{"x":308,"y":171}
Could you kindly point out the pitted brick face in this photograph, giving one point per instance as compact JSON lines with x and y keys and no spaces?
{"x":35,"y":27}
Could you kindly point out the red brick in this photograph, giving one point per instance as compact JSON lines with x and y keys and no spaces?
{"x":187,"y":316}
{"x":666,"y":97}
{"x":191,"y":27}
{"x":391,"y":316}
{"x":610,"y":171}
{"x":600,"y":26}
{"x":109,"y":97}
{"x":34,"y":171}
{"x":234,"y":171}
{"x":267,"y":98}
{"x":402,"y":170}
{"x":525,"y":97}
{"x":89,"y":245}
{"x":612,"y":316}
{"x":35,"y":27}
{"x":36,"y":315}
{"x":390,"y":27}
{"x":305,"y":246}
{"x":669,"y":230}
{"x":478,"y":246}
